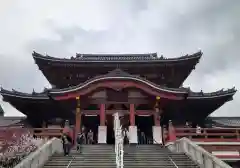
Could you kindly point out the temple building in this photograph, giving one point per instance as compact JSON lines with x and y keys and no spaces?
{"x":146,"y":90}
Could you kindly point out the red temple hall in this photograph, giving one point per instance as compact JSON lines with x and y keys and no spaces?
{"x":146,"y":90}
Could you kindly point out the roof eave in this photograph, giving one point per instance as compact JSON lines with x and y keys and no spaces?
{"x":83,"y":85}
{"x":229,"y":92}
{"x":38,"y":56}
{"x":38,"y":96}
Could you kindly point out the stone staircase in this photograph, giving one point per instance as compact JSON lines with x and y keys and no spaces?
{"x":152,"y":156}
{"x":92,"y":156}
{"x":103,"y":156}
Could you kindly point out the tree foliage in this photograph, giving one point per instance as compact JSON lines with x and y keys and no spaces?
{"x":17,"y":148}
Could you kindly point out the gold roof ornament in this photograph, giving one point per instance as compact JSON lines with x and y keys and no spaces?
{"x":157,"y":97}
{"x":78,"y":98}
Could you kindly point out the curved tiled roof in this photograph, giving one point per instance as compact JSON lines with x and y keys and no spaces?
{"x":8,"y":121}
{"x":119,"y":74}
{"x":42,"y":95}
{"x":151,"y":57}
{"x":219,"y":93}
{"x":225,"y":121}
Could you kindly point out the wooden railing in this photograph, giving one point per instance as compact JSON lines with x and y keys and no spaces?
{"x":47,"y":132}
{"x":8,"y":133}
{"x":9,"y":136}
{"x":209,"y":134}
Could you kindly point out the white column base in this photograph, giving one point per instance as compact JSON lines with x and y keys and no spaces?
{"x":157,"y":134}
{"x":133,"y":136}
{"x":102,"y":134}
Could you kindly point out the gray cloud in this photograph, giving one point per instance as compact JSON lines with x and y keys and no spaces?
{"x":171,"y":28}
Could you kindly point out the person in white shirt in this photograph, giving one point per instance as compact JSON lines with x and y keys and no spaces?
{"x":198,"y":129}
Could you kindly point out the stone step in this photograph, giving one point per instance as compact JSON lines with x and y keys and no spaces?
{"x":140,"y":156}
{"x":125,"y":166}
{"x":125,"y":158}
{"x":85,"y":164}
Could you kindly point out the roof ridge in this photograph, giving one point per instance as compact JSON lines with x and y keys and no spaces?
{"x":114,"y":54}
{"x":118,"y":57}
{"x":218,"y":92}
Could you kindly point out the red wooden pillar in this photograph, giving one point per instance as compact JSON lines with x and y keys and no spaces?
{"x":102,"y":115}
{"x":157,"y":113}
{"x":132,"y":115}
{"x":78,"y":117}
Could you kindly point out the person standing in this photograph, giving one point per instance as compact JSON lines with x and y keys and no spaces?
{"x":83,"y":132}
{"x":66,"y":140}
{"x":139,"y":136}
{"x":68,"y":131}
{"x":126,"y":139}
{"x":90,"y":137}
{"x":80,"y":141}
{"x":125,"y":136}
{"x":198,"y":131}
{"x":143,"y":138}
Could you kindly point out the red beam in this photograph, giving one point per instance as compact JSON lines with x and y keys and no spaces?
{"x":119,"y":85}
{"x":228,"y":156}
{"x":215,"y":140}
{"x":137,"y":112}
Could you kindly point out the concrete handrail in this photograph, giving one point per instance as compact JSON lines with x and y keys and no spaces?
{"x":198,"y":154}
{"x":39,"y":157}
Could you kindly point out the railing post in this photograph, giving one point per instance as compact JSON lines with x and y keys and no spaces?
{"x":200,"y":155}
{"x":118,"y":141}
{"x":237,"y":132}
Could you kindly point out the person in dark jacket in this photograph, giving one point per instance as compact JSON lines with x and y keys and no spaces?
{"x":67,"y":141}
{"x":143,"y":138}
{"x":80,"y":141}
{"x":90,"y":137}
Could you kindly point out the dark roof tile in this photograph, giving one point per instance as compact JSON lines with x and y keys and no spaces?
{"x":224,"y":121}
{"x":212,"y":94}
{"x":7,"y":121}
{"x":114,"y":57}
{"x":118,"y":57}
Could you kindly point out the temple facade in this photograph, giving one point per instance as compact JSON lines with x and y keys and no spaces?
{"x":146,"y":90}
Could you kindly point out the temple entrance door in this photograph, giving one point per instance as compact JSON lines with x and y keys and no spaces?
{"x":124,"y":121}
{"x":110,"y":127}
{"x":91,"y":122}
{"x":144,"y":124}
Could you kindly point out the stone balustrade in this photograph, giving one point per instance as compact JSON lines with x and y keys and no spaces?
{"x":38,"y":158}
{"x":198,"y":154}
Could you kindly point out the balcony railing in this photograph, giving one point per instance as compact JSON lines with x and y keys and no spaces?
{"x":206,"y":134}
{"x":47,"y":132}
{"x":8,"y":133}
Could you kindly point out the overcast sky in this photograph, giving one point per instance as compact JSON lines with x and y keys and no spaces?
{"x":169,"y":27}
